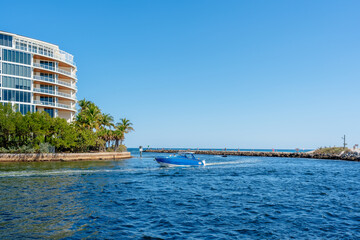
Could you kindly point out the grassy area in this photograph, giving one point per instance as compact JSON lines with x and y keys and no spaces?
{"x":331,"y":150}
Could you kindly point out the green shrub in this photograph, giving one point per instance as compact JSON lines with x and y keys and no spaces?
{"x":331,"y":150}
{"x":3,"y":150}
{"x":26,"y":149}
{"x":110,"y":149}
{"x":45,"y":148}
{"x":121,"y":148}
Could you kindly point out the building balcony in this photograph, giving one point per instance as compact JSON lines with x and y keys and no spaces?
{"x":55,"y":93}
{"x":54,"y":69}
{"x":52,"y":80}
{"x":53,"y":104}
{"x":61,"y":56}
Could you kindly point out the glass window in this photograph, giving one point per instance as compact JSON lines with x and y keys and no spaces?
{"x":13,"y":69}
{"x":6,"y":40}
{"x":50,"y":111}
{"x":24,"y":108}
{"x":16,"y":56}
{"x":19,"y":96}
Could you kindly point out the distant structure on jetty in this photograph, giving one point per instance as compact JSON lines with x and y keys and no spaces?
{"x":37,"y":76}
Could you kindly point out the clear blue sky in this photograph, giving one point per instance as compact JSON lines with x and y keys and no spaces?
{"x":248,"y":74}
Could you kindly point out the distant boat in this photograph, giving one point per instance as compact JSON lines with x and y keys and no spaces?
{"x":180,"y":159}
{"x":224,"y":155}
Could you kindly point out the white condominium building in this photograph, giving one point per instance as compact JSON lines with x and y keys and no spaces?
{"x":37,"y":76}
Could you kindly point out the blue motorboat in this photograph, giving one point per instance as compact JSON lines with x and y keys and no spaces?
{"x":180,"y":159}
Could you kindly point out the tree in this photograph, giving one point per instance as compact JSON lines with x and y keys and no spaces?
{"x":89,"y":115}
{"x":92,"y":130}
{"x":118,"y":136}
{"x":83,"y":104}
{"x":7,"y":124}
{"x":124,"y":126}
{"x":106,"y":120}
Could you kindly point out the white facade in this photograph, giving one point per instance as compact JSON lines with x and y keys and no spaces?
{"x":37,"y":76}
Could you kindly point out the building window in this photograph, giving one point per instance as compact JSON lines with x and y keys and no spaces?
{"x":19,"y":83}
{"x":50,"y":111}
{"x":47,"y":87}
{"x":23,"y":108}
{"x":47,"y":99}
{"x":47,"y":75}
{"x":16,"y":56}
{"x":16,"y":96}
{"x":18,"y":70}
{"x":5,"y":40}
{"x":47,"y":63}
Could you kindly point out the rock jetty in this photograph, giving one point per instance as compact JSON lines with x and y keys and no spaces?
{"x":353,"y":156}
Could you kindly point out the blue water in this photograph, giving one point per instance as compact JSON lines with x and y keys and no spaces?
{"x":231,"y":198}
{"x":241,"y":149}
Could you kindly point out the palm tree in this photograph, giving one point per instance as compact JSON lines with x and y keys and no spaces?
{"x":83,"y":104}
{"x":93,"y":114}
{"x":89,"y":117}
{"x":106,"y":120}
{"x":118,"y":136}
{"x":124,"y":126}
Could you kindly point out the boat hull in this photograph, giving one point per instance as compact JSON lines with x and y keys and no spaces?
{"x":173,"y":162}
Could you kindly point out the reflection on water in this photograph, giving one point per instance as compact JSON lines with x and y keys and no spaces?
{"x":40,"y":207}
{"x":233,"y":197}
{"x":46,"y":199}
{"x":23,"y":166}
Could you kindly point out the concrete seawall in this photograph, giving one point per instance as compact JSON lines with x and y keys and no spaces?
{"x":264,"y":154}
{"x":41,"y":157}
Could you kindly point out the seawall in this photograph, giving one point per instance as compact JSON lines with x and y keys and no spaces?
{"x":42,"y":157}
{"x":265,"y":154}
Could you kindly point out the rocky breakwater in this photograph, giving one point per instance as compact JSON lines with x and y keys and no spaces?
{"x":353,"y":156}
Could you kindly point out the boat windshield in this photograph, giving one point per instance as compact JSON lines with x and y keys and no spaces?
{"x":187,"y":155}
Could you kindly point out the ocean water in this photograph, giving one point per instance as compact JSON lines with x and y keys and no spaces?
{"x":240,"y":149}
{"x":230,"y":198}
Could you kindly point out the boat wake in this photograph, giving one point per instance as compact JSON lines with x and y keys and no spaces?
{"x":229,"y":163}
{"x":35,"y":173}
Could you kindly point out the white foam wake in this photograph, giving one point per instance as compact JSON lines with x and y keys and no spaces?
{"x":231,"y":162}
{"x":32,"y":173}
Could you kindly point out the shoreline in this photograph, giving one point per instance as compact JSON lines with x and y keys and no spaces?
{"x":265,"y":154}
{"x":47,"y":157}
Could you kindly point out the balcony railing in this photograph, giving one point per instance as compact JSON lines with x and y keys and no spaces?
{"x":46,"y":103}
{"x":63,"y":105}
{"x":62,"y":56}
{"x":64,"y":94}
{"x":47,"y":91}
{"x":52,"y":80}
{"x":51,"y":68}
{"x":44,"y":91}
{"x":47,"y":79}
{"x":64,"y":72}
{"x":44,"y":66}
{"x":66,"y":83}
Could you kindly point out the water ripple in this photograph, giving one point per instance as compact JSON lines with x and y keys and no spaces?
{"x":230,"y":198}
